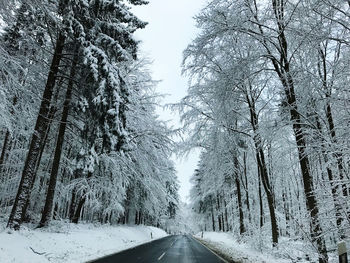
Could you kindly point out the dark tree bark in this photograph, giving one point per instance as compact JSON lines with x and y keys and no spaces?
{"x":269,"y":195}
{"x":226,"y":217}
{"x":262,"y":168}
{"x":140,"y":217}
{"x":218,"y":209}
{"x":46,"y":215}
{"x":286,"y":212}
{"x":136,"y":218}
{"x":23,"y":195}
{"x":2,"y":157}
{"x":246,"y":189}
{"x":260,"y":200}
{"x":42,"y":148}
{"x":222,"y":211}
{"x":77,"y":213}
{"x":127,"y":216}
{"x":55,"y":212}
{"x":219,"y":221}
{"x":240,"y":208}
{"x":80,"y":204}
{"x":212,"y":214}
{"x":4,"y":149}
{"x":239,"y":195}
{"x":72,"y":205}
{"x":50,"y":118}
{"x":7,"y":140}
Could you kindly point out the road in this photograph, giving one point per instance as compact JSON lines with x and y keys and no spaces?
{"x":171,"y":249}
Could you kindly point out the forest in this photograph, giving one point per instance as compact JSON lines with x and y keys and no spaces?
{"x":80,"y":139}
{"x":268,"y":106}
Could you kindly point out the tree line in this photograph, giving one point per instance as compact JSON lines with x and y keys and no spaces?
{"x":79,"y":135}
{"x":268,"y":105}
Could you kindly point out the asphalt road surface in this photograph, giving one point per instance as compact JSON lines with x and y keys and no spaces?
{"x":171,"y":249}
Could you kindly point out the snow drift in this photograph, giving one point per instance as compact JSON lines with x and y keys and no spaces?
{"x":66,"y":242}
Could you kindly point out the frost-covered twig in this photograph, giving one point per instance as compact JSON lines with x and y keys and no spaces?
{"x":37,"y":252}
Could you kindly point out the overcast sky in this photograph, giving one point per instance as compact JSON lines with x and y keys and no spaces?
{"x":171,"y":28}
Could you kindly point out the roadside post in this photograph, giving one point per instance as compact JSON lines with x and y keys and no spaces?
{"x":342,"y":252}
{"x":151,"y":236}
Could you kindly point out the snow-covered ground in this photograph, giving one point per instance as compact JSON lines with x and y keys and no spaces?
{"x":66,"y":242}
{"x":245,"y":252}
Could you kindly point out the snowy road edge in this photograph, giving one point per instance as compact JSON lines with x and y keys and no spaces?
{"x":130,"y":248}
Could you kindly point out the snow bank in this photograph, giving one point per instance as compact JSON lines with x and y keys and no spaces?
{"x":244,"y":252}
{"x":66,"y":242}
{"x":228,"y":245}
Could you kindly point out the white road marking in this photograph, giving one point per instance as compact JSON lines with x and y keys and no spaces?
{"x":161,"y":256}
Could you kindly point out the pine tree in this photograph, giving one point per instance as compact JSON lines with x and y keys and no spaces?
{"x":103,"y":44}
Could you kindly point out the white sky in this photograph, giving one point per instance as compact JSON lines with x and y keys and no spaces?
{"x":171,"y":28}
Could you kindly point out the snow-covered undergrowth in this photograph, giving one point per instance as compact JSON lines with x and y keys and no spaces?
{"x":66,"y":242}
{"x":256,"y":250}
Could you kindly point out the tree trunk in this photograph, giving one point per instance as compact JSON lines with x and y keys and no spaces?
{"x":140,"y":217}
{"x":136,"y":218}
{"x":4,"y":149}
{"x":46,"y":215}
{"x":241,"y":218}
{"x":72,"y":205}
{"x":55,"y":212}
{"x":127,"y":216}
{"x":219,"y":213}
{"x":246,"y":185}
{"x":50,"y":118}
{"x":262,"y":168}
{"x":260,"y":202}
{"x":28,"y":174}
{"x":239,"y":196}
{"x":212,"y":214}
{"x":269,"y":196}
{"x":226,"y":217}
{"x":286,"y":212}
{"x":77,"y":213}
{"x":42,"y":147}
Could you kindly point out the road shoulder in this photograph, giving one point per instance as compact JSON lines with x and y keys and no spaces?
{"x":215,"y":250}
{"x":129,"y":249}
